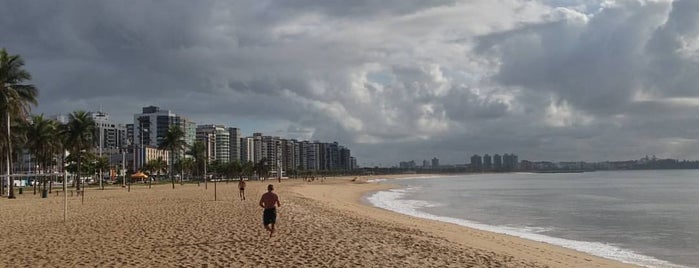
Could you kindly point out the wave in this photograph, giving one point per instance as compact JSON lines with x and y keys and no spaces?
{"x":393,"y":200}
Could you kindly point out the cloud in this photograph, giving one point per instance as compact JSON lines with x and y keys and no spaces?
{"x":392,"y":80}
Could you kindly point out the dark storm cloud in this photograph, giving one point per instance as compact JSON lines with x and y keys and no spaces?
{"x":393,"y":80}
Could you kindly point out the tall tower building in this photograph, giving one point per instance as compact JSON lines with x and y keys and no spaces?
{"x":497,"y":162}
{"x":487,"y":162}
{"x":110,"y":134}
{"x":218,"y":140}
{"x":234,"y":136}
{"x":151,"y":126}
{"x":247,"y":149}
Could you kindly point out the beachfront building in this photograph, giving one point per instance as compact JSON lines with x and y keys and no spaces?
{"x":247,"y":149}
{"x":189,"y":128}
{"x":346,"y":155}
{"x":435,"y":162}
{"x":476,"y":162}
{"x":497,"y":162}
{"x":110,"y":135}
{"x":509,"y":162}
{"x":487,"y":162}
{"x":151,"y":126}
{"x":217,"y":139}
{"x":234,"y":137}
{"x":257,"y":147}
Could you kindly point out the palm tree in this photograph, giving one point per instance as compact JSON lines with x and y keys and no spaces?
{"x":16,"y":99}
{"x":174,"y":142}
{"x":78,"y":137}
{"x":42,"y":142}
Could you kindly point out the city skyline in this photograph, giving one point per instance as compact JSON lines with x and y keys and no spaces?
{"x":570,"y":80}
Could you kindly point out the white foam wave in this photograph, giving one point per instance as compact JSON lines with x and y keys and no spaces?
{"x":392,"y":200}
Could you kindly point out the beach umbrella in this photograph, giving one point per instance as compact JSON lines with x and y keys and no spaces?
{"x":139,"y":175}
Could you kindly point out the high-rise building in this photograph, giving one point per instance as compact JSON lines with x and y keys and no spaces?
{"x":235,"y":135}
{"x":476,"y":162}
{"x":151,"y":126}
{"x":189,"y":128}
{"x":218,"y":141}
{"x":345,"y":161}
{"x":257,"y":147}
{"x":435,"y":162}
{"x":247,"y":149}
{"x":497,"y":162}
{"x":509,"y":161}
{"x":111,"y":135}
{"x":487,"y":162}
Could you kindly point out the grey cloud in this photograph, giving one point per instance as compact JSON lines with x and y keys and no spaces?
{"x":383,"y":77}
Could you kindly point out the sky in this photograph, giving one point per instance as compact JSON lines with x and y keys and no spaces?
{"x":393,"y":80}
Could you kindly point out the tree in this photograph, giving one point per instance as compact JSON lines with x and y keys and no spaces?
{"x":187,"y":166}
{"x":42,"y":142}
{"x":16,"y":99}
{"x":262,"y":168}
{"x":174,"y":142}
{"x":248,"y":169}
{"x":78,"y":133}
{"x":234,"y":169}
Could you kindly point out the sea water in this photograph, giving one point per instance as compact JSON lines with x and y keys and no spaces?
{"x":648,"y":218}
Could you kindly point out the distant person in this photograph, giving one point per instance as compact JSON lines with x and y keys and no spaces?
{"x":241,"y":186}
{"x":270,"y":202}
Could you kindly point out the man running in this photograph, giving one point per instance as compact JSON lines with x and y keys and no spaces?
{"x":270,"y":202}
{"x":241,"y":186}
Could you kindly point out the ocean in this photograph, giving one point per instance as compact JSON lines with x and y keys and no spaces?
{"x":648,"y":218}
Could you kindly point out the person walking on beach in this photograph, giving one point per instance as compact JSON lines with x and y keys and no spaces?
{"x":241,"y":186}
{"x":270,"y":202}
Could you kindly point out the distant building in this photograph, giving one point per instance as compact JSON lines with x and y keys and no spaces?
{"x":487,"y":162}
{"x":435,"y":162}
{"x":497,"y":162}
{"x":218,"y":142}
{"x":234,"y":136}
{"x":510,"y":161}
{"x":247,"y":149}
{"x":111,"y":135}
{"x":476,"y":162}
{"x":407,"y":164}
{"x":153,"y":123}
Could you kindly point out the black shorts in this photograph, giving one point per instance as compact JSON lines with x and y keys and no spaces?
{"x":269,"y":216}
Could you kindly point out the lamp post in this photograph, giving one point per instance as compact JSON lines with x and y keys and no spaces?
{"x":99,"y":128}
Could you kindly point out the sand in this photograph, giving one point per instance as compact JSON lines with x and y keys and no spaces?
{"x":320,"y":224}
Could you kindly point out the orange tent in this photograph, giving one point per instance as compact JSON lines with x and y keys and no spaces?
{"x":139,"y":175}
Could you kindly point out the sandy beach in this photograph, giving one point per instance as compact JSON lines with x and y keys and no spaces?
{"x":320,"y":224}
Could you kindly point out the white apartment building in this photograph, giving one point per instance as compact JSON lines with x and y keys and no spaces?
{"x":218,"y":140}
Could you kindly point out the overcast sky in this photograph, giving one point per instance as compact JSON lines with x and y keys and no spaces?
{"x":397,"y":80}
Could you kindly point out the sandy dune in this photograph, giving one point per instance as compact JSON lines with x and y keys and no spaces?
{"x":319,"y":225}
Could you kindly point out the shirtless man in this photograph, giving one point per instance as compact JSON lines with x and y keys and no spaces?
{"x":241,"y":186}
{"x":270,"y":202}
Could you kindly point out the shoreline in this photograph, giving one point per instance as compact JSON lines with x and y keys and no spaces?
{"x":542,"y":253}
